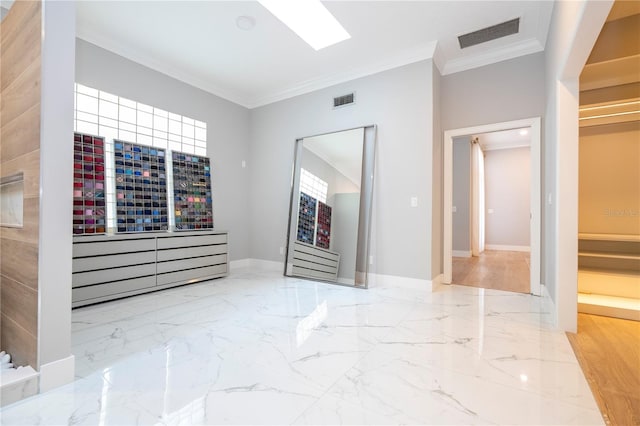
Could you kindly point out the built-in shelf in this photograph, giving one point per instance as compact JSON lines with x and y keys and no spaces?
{"x":609,"y":275}
{"x":610,"y":306}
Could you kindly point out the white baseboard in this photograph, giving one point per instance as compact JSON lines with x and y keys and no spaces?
{"x":265,"y":265}
{"x":238,"y":264}
{"x":57,"y":373}
{"x":381,"y":281}
{"x":547,"y":296}
{"x":348,"y":281}
{"x":461,"y":253}
{"x":437,"y":282}
{"x":501,"y":247}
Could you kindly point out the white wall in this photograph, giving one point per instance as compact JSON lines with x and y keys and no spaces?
{"x":507,"y":175}
{"x":227,"y":129}
{"x":574,"y":28}
{"x":462,"y":194}
{"x":400,"y":102}
{"x":56,"y":199}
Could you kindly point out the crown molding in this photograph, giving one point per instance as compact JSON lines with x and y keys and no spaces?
{"x":141,"y":58}
{"x":406,"y":57}
{"x":513,"y":50}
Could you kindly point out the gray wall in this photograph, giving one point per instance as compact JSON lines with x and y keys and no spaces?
{"x":505,"y":91}
{"x":400,"y":102}
{"x":227,"y":129}
{"x":507,"y":175}
{"x":344,"y":232}
{"x":336,"y":181}
{"x":462,"y":193}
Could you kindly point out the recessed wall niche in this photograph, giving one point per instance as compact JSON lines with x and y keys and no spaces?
{"x":11,"y":200}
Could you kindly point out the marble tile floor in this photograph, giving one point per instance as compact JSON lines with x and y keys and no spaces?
{"x":258,"y":348}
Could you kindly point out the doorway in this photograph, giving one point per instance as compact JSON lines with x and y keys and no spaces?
{"x":533,"y":126}
{"x":491,"y":210}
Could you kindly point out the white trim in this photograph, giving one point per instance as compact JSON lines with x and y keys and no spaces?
{"x":239,"y":264}
{"x":267,"y":265}
{"x":261,"y":264}
{"x":403,"y":58}
{"x":394,"y":281}
{"x":143,"y":59}
{"x":514,"y":50}
{"x":461,"y":253}
{"x":437,"y":282}
{"x":502,"y":247}
{"x":57,"y":373}
{"x":409,"y":56}
{"x":536,"y":167}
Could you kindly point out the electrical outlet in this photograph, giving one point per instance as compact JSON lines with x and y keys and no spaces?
{"x":244,"y":164}
{"x":454,"y":209}
{"x":414,"y":201}
{"x":281,"y":250}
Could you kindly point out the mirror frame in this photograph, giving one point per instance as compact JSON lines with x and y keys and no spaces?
{"x":363,"y":243}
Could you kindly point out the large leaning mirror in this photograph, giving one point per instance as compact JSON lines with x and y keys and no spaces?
{"x":331,"y":200}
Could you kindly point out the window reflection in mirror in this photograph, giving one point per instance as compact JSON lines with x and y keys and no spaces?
{"x":325,"y":217}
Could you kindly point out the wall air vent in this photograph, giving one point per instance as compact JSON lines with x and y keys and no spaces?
{"x":490,"y":33}
{"x":344,"y":100}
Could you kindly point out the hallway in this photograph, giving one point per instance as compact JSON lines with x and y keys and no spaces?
{"x":497,"y":270}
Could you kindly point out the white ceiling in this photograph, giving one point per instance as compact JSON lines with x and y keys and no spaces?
{"x":504,"y":139}
{"x":342,"y":150}
{"x":199,"y":43}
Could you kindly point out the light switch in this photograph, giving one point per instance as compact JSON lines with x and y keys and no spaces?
{"x":454,"y":209}
{"x":550,"y":199}
{"x":414,"y":201}
{"x":490,"y":211}
{"x":244,"y":164}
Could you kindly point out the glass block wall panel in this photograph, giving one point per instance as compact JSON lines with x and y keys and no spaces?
{"x":193,"y":206}
{"x":306,"y":218}
{"x":141,"y":188}
{"x":88,"y":184}
{"x":323,"y":236}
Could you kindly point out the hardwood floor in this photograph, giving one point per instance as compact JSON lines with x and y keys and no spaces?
{"x":608,"y":350}
{"x":499,"y":270}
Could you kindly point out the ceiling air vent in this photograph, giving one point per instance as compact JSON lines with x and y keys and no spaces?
{"x":344,"y":100}
{"x":490,"y":33}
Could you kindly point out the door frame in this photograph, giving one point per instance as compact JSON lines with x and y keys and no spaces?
{"x":535,"y":200}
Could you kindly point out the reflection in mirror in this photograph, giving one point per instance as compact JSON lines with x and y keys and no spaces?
{"x":4,"y":8}
{"x":331,"y":206}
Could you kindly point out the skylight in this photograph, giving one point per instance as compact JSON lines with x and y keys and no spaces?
{"x":310,"y":20}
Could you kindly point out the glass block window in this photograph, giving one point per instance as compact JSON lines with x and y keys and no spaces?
{"x":314,"y":186}
{"x":113,"y":117}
